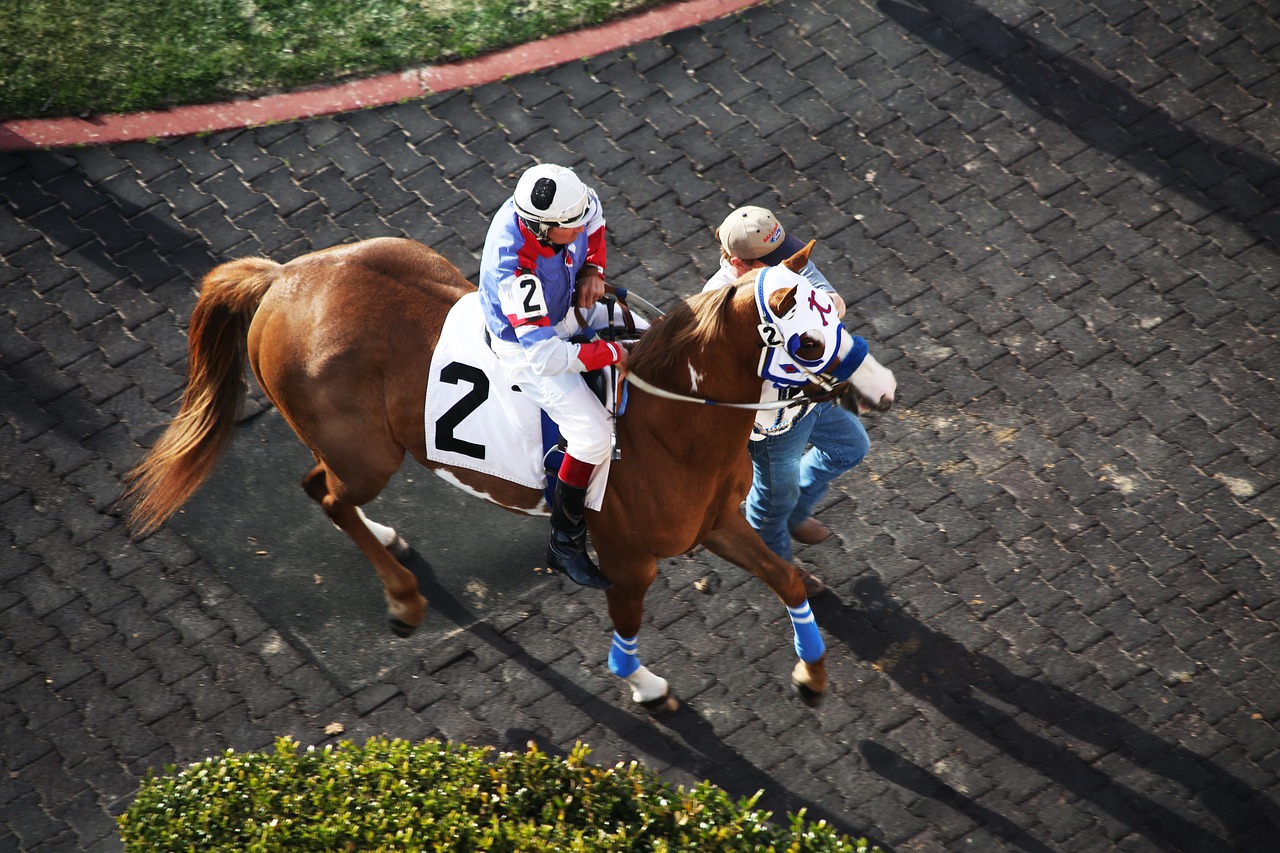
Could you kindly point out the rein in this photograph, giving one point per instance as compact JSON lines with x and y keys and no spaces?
{"x":830,"y":392}
{"x":772,"y":405}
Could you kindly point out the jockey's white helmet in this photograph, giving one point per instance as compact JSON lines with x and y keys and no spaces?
{"x":551,"y":196}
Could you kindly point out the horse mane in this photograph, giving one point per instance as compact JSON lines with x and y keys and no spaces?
{"x":696,"y":321}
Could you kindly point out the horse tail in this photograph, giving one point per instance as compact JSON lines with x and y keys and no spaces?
{"x":184,"y":456}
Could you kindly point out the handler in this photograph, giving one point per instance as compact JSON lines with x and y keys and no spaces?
{"x":546,"y":244}
{"x":787,"y":482}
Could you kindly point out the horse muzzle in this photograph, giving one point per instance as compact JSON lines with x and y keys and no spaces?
{"x":859,"y":404}
{"x":871,"y":388}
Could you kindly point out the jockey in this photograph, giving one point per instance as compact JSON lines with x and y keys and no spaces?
{"x":788,"y":480}
{"x":545,"y":243}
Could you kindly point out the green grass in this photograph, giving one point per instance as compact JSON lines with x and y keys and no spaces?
{"x":77,"y":57}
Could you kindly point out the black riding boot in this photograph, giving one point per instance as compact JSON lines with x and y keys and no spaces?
{"x":568,"y":549}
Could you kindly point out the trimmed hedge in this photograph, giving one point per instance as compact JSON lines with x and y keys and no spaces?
{"x":394,"y":795}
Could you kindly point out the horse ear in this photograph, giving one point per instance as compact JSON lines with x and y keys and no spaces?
{"x":800,"y":259}
{"x":782,"y":301}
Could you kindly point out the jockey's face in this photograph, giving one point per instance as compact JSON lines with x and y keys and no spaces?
{"x":563,"y":236}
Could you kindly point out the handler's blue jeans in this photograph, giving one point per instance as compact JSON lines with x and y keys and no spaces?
{"x":787,"y":482}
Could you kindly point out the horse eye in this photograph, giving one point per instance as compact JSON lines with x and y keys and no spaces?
{"x":810,"y":341}
{"x":808,"y":346}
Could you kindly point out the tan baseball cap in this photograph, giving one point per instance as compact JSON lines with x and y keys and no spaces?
{"x":753,"y":233}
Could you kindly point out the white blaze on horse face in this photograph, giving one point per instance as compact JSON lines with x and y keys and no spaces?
{"x":694,"y":378}
{"x":874,"y":381}
{"x":645,"y":686}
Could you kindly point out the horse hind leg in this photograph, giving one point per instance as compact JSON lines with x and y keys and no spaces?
{"x":387,"y":537}
{"x":381,"y":545}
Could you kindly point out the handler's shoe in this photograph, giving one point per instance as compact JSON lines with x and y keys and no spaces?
{"x":813,"y":587}
{"x":568,"y":549}
{"x":811,"y":531}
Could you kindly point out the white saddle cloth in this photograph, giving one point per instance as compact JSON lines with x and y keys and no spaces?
{"x":476,"y":419}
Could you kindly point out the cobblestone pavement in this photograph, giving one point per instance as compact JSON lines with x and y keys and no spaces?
{"x":1054,"y":614}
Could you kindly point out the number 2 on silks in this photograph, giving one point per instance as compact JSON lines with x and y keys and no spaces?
{"x":529,"y":293}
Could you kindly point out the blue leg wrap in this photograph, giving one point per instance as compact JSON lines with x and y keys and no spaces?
{"x":809,"y":645}
{"x":623,"y":659}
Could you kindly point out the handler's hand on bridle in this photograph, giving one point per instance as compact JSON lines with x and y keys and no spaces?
{"x":838,"y":300}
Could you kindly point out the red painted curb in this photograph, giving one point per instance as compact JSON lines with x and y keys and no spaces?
{"x":24,"y":134}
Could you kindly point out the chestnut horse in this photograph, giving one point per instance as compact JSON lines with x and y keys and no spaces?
{"x":341,"y":340}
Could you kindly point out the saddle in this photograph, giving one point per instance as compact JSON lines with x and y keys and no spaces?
{"x":475,"y":422}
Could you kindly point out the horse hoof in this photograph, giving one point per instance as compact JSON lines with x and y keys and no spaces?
{"x":663,"y":705}
{"x":807,"y":694}
{"x":400,"y":549}
{"x":400,"y":628}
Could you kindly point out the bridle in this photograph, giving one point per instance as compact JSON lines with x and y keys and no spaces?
{"x":771,"y":337}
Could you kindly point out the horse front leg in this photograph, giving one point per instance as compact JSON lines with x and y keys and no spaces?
{"x":737,"y":542}
{"x":384,"y":548}
{"x":631,"y":580}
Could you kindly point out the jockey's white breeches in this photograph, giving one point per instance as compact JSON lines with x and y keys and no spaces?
{"x":584,"y":423}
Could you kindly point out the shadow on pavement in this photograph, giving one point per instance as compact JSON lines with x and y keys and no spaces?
{"x":936,"y":669}
{"x":256,"y":528}
{"x":684,"y":739}
{"x":905,"y":774}
{"x":1101,"y":111}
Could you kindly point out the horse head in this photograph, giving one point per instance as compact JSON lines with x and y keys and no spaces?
{"x":805,"y":344}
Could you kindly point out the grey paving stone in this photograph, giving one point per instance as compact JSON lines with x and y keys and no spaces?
{"x":1054,"y":573}
{"x":83,"y":812}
